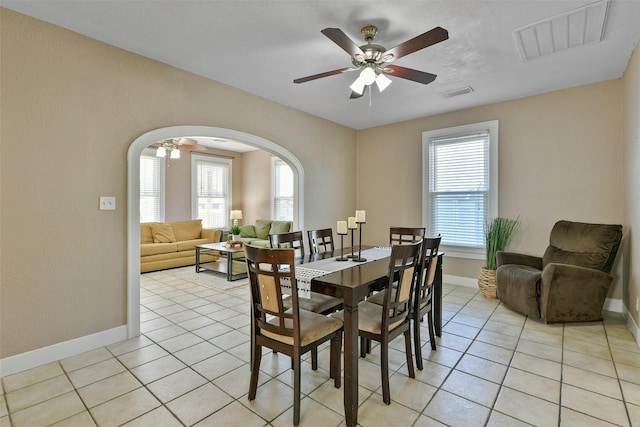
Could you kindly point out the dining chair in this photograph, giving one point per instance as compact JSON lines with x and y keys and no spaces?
{"x":423,"y":295}
{"x":399,"y":236}
{"x":383,"y":323}
{"x":404,"y":235}
{"x":292,"y":239}
{"x":291,"y":331}
{"x":318,"y":303}
{"x":321,"y":241}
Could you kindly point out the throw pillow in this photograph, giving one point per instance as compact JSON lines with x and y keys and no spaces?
{"x":162,"y":233}
{"x":146,"y":235}
{"x":278,"y":227}
{"x":187,"y":230}
{"x":262,"y":227}
{"x":248,"y":231}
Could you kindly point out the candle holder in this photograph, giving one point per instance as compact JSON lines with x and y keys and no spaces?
{"x":342,"y":257}
{"x":352,"y":255}
{"x":359,"y":258}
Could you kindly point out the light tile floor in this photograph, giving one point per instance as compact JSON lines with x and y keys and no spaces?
{"x":190,"y":366}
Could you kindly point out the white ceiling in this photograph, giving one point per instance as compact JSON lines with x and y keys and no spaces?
{"x":262,"y":46}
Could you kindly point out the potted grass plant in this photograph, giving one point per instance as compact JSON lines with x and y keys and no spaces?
{"x":498,"y":232}
{"x":235,"y":232}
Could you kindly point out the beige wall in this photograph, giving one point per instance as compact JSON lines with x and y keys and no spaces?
{"x":632,"y":184}
{"x":560,"y":157}
{"x":70,"y":108}
{"x":256,"y":187}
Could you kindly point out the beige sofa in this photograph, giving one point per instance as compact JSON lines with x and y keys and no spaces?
{"x":172,"y":244}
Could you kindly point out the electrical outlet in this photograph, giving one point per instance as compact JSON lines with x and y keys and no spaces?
{"x":107,"y":203}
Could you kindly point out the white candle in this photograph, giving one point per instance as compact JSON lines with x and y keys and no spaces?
{"x":352,"y":222}
{"x":342,"y":227}
{"x":360,"y":216}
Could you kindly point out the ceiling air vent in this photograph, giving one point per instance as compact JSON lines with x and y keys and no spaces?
{"x":573,"y":29}
{"x":457,"y":92}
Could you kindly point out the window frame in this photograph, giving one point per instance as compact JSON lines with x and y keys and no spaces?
{"x":151,"y":153}
{"x":195,"y":158}
{"x":492,"y":126}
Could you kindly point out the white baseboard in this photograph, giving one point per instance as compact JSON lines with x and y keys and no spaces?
{"x":62,"y":350}
{"x":610,"y":304}
{"x":633,"y":327}
{"x":460,"y":281}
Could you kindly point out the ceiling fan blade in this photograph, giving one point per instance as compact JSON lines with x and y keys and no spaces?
{"x":409,"y":74}
{"x":321,"y":75}
{"x":431,"y":37}
{"x":356,"y":95}
{"x":191,"y":144}
{"x":341,"y":39}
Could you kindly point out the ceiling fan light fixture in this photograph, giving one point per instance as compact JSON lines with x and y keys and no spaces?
{"x":382,"y":82}
{"x":358,"y":86}
{"x":368,"y":75}
{"x":175,"y":153}
{"x":161,"y":152}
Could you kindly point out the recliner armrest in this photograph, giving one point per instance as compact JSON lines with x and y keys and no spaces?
{"x":569,"y":293}
{"x":503,"y":258}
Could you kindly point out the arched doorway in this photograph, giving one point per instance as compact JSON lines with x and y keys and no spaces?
{"x":133,"y":197}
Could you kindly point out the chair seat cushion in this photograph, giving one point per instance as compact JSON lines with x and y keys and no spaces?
{"x":318,"y":303}
{"x":518,"y":287}
{"x":313,"y":327}
{"x":369,"y":318}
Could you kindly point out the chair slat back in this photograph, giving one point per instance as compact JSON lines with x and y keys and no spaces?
{"x":320,"y":241}
{"x":404,"y":265}
{"x":429,"y":261}
{"x":404,"y":235}
{"x":267,"y":269}
{"x":292,"y":240}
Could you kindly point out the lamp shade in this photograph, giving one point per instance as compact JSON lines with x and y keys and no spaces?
{"x":235,"y":214}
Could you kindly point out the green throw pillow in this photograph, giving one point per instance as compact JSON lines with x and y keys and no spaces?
{"x":278,"y":227}
{"x":262,"y":227}
{"x":247,"y":231}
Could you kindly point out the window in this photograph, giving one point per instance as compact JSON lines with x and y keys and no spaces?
{"x":282,"y":191}
{"x":460,"y":191}
{"x":151,"y":187}
{"x":211,"y":190}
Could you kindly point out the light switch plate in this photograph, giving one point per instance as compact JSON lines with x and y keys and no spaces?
{"x":107,"y":203}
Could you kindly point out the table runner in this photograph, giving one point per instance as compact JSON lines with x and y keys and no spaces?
{"x":314,"y":269}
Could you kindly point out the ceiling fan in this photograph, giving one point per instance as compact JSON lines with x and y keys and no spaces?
{"x":373,"y":60}
{"x":172,"y":146}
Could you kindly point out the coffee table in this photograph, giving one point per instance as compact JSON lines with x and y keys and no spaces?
{"x":233,"y":271}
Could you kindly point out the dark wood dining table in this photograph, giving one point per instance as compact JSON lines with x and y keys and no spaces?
{"x":353,"y":284}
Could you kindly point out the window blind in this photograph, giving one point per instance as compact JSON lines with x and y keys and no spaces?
{"x":283,"y":191}
{"x":212,"y":193}
{"x":459,"y":184}
{"x":151,"y":193}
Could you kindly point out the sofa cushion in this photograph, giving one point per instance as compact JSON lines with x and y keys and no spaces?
{"x":187,"y":230}
{"x":248,"y":231}
{"x":146,"y":236}
{"x":162,"y":233}
{"x":278,"y":227}
{"x":186,"y":245}
{"x":262,"y":227}
{"x":147,"y":249}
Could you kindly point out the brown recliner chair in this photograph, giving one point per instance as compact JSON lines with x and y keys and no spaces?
{"x":570,"y":282}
